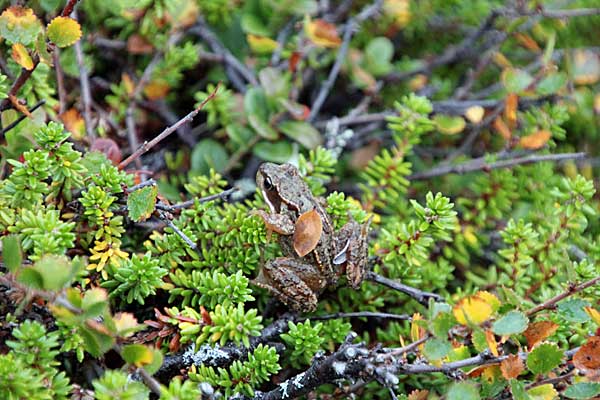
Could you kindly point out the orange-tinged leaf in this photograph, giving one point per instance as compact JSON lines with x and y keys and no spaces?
{"x":535,"y":140}
{"x":593,"y":313}
{"x":127,"y":83}
{"x":21,"y":56}
{"x":587,"y":358}
{"x":137,"y":44}
{"x":538,"y":331}
{"x":156,"y":89}
{"x":510,"y":109}
{"x":364,"y":79}
{"x":418,"y":82}
{"x":502,"y":129}
{"x":295,"y":58}
{"x":322,"y":33}
{"x":19,"y":25}
{"x":110,"y":148}
{"x":399,"y":10}
{"x":63,"y":31}
{"x":73,"y":122}
{"x":475,"y":114}
{"x":472,"y":310}
{"x":491,"y":341}
{"x":418,"y":394}
{"x":527,"y":42}
{"x":125,"y":323}
{"x":512,"y":366}
{"x":501,"y":60}
{"x":308,"y":232}
{"x":261,"y":44}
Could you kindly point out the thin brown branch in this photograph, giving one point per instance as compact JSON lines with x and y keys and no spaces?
{"x":149,"y":380}
{"x":480,"y":164}
{"x":21,"y":118}
{"x":571,"y":290}
{"x":68,"y":8}
{"x":164,"y":217}
{"x":149,"y":145}
{"x":16,"y":86}
{"x":359,"y":314}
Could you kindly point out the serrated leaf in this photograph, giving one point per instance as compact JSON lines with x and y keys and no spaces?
{"x":21,"y":56}
{"x":587,"y":358}
{"x":463,"y":391}
{"x":538,"y":331}
{"x":302,"y":132}
{"x":436,"y":349}
{"x":472,"y":310}
{"x":94,"y":302}
{"x":582,"y":390}
{"x":512,"y":366}
{"x":544,"y":358}
{"x":573,"y":310}
{"x":511,"y":323}
{"x":517,"y":389}
{"x":137,"y":354}
{"x":11,"y":252}
{"x":593,"y":313}
{"x":63,"y":31}
{"x":126,"y":324}
{"x":322,"y":33}
{"x":19,"y":25}
{"x":56,"y":272}
{"x":141,"y":203}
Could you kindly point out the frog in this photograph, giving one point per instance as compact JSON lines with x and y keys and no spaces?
{"x":305,"y":271}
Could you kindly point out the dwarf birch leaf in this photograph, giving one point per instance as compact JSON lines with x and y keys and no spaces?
{"x":19,"y":25}
{"x":463,"y":391}
{"x":543,"y":392}
{"x":63,"y":31}
{"x":544,"y":358}
{"x":512,"y":366}
{"x":535,"y":140}
{"x":538,"y":331}
{"x":11,"y":252}
{"x":587,"y":358}
{"x":582,"y":390}
{"x":21,"y":56}
{"x":511,"y":323}
{"x":141,"y":203}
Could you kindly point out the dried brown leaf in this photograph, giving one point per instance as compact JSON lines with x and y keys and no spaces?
{"x":308,"y":232}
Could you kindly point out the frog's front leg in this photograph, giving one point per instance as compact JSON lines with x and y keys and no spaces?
{"x":293,"y":282}
{"x":352,"y":251}
{"x":280,"y":223}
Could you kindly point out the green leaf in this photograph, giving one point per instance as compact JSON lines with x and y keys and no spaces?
{"x":544,"y":358}
{"x":302,"y":132}
{"x":274,"y":82}
{"x":208,"y":154}
{"x":436,"y":349}
{"x":573,"y":310}
{"x":261,"y":127}
{"x":543,"y":392}
{"x":463,"y":391}
{"x":516,"y":80}
{"x":278,"y":152}
{"x":156,"y":363}
{"x":442,"y":324}
{"x":96,"y":343}
{"x":255,"y":103}
{"x":582,"y":390}
{"x":11,"y":252}
{"x":31,"y":278}
{"x":141,"y":203}
{"x":551,"y":84}
{"x":448,"y":124}
{"x":511,"y":323}
{"x":94,"y":302}
{"x":378,"y":54}
{"x":56,"y":271}
{"x":517,"y":389}
{"x":137,"y":354}
{"x":63,"y":31}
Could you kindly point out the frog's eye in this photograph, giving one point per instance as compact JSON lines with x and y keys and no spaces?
{"x":268,"y":183}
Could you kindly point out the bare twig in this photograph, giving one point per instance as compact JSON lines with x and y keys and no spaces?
{"x":571,"y":290}
{"x":351,"y":26}
{"x":21,"y":117}
{"x":149,"y":380}
{"x":202,"y":30}
{"x":148,"y":145}
{"x":68,"y":8}
{"x":172,"y":208}
{"x":559,"y":14}
{"x":16,"y":86}
{"x":479,"y":164}
{"x":359,"y":314}
{"x":419,"y":295}
{"x":149,"y":182}
{"x":163,"y":216}
{"x":86,"y":94}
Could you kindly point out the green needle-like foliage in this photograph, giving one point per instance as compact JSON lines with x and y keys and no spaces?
{"x":115,"y":385}
{"x":136,"y":278}
{"x":206,"y":289}
{"x":232,"y":323}
{"x":304,"y":340}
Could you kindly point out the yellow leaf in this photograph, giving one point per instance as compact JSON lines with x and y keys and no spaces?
{"x":19,"y":25}
{"x":127,"y":83}
{"x":469,"y":235}
{"x":472,"y":310}
{"x":399,"y":10}
{"x":510,"y":109}
{"x":593,"y":313}
{"x":21,"y":56}
{"x":322,"y":33}
{"x":489,"y":298}
{"x":543,"y":392}
{"x":416,"y":331}
{"x":501,"y":60}
{"x":63,"y":31}
{"x":597,"y":103}
{"x":535,"y":140}
{"x":156,"y":90}
{"x":491,"y":342}
{"x":475,"y":114}
{"x":261,"y":44}
{"x":125,"y":323}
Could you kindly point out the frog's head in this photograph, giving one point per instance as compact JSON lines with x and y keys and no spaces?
{"x":280,"y":184}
